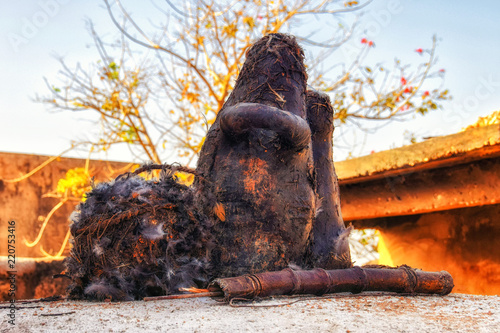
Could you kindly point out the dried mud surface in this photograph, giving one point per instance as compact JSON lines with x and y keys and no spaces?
{"x":337,"y":313}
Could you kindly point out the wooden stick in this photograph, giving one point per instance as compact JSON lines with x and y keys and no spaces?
{"x":403,"y":279}
{"x":56,"y":314}
{"x":181,"y":296}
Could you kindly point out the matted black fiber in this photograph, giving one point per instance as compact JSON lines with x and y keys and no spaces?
{"x":134,"y":238}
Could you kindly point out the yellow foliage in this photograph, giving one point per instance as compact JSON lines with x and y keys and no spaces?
{"x":76,"y":183}
{"x":249,"y":21}
{"x":230,"y":30}
{"x":491,"y":119}
{"x":350,"y":3}
{"x":185,"y":178}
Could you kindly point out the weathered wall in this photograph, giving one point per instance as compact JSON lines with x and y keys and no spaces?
{"x":461,"y":241}
{"x":23,"y":202}
{"x":34,"y":279}
{"x":464,"y":242}
{"x":436,"y":205}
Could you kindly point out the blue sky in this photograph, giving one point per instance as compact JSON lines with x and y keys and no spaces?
{"x":469,"y":51}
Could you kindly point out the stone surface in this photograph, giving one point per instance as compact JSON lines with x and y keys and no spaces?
{"x":339,"y":313}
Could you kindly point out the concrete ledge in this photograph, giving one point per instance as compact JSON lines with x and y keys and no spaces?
{"x":340,"y":313}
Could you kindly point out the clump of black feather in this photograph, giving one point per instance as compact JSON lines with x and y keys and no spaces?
{"x":134,"y":238}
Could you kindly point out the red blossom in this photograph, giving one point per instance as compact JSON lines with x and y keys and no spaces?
{"x":403,"y":81}
{"x":372,"y":152}
{"x":405,"y":107}
{"x":426,"y":93}
{"x":442,"y":70}
{"x":364,"y":41}
{"x":408,"y":90}
{"x":419,"y":50}
{"x":370,"y":43}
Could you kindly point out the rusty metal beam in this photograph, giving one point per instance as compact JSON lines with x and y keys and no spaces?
{"x":470,"y":184}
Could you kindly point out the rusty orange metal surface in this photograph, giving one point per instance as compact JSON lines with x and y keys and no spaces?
{"x":465,"y":185}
